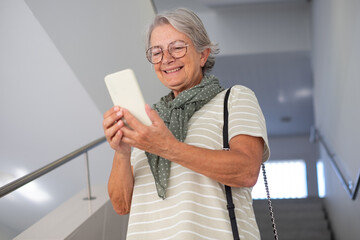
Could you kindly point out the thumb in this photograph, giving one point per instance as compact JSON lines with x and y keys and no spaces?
{"x":152,"y":114}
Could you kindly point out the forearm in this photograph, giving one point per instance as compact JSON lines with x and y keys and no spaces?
{"x":235,"y":168}
{"x":238,"y":167}
{"x":121,"y":184}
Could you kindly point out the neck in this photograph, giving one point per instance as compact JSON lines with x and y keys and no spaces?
{"x":198,"y":81}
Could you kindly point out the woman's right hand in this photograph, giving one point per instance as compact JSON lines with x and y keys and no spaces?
{"x":121,"y":180}
{"x":112,"y":125}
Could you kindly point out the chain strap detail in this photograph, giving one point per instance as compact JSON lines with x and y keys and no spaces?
{"x":269,"y":202}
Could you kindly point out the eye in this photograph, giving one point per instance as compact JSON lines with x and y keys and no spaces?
{"x":178,"y":47}
{"x":156,"y":51}
{"x":154,"y":54}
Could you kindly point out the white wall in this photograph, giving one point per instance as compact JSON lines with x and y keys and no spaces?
{"x":45,"y":114}
{"x":49,"y":58}
{"x":259,"y":28}
{"x":336,"y":37}
{"x":100,"y":37}
{"x":6,"y":232}
{"x":254,"y":26}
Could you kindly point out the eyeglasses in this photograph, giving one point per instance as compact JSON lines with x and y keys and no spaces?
{"x":176,"y":49}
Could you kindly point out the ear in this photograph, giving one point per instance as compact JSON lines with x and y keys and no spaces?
{"x":204,"y":56}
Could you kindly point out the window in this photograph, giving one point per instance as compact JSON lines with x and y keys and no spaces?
{"x":320,"y":178}
{"x":286,"y":179}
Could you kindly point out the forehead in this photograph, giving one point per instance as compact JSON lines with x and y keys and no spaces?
{"x":164,"y":34}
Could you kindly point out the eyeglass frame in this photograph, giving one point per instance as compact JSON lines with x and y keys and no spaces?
{"x":168,"y":48}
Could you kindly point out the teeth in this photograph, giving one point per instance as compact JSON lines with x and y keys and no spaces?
{"x":174,"y":70}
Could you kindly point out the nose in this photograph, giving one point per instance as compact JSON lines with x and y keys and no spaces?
{"x":167,"y":58}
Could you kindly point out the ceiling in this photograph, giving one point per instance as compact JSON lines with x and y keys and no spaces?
{"x":203,"y":5}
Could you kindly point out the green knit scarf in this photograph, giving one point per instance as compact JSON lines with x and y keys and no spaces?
{"x":176,"y":113}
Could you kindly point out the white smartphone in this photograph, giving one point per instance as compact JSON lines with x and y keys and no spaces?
{"x":125,"y":92}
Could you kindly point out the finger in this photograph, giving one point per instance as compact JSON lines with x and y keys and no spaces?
{"x":115,"y":141}
{"x":131,"y":121}
{"x":111,"y":111}
{"x":127,"y":140}
{"x":152,"y":114}
{"x":114,"y":117}
{"x":110,"y":132}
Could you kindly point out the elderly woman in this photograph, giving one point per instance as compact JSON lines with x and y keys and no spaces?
{"x":172,"y":183}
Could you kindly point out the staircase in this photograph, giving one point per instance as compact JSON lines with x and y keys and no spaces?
{"x":295,"y":219}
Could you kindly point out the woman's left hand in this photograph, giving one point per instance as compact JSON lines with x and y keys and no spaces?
{"x":155,"y":138}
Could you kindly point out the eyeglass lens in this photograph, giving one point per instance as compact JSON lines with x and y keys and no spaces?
{"x":176,"y":49}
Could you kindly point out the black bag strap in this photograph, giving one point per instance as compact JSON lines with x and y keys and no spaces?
{"x":226,"y":120}
{"x":230,"y":204}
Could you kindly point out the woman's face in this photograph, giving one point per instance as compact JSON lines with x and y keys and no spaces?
{"x":182,"y":73}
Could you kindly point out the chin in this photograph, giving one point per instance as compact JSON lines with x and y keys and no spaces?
{"x":172,"y":82}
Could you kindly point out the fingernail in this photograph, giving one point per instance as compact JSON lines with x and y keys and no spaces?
{"x":120,"y":112}
{"x":116,"y":108}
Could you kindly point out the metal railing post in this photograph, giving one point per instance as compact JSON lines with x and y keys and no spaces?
{"x":89,"y":197}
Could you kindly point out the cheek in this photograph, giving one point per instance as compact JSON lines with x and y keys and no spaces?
{"x":193,"y":68}
{"x":157,"y":70}
{"x":159,"y":75}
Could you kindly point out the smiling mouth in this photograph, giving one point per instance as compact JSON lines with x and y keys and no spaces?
{"x":173,"y":70}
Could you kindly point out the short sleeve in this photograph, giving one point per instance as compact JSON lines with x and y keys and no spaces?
{"x":246,"y":117}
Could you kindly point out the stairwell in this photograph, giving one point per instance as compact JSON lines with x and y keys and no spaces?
{"x":295,"y":219}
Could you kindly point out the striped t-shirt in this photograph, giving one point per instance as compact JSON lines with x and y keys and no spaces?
{"x":195,"y":206}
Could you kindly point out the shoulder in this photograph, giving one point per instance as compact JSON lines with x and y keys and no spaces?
{"x":241,"y":95}
{"x":242,"y":91}
{"x":236,"y":91}
{"x":246,"y":116}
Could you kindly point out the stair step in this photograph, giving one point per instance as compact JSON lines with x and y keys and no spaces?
{"x":295,"y":219}
{"x":291,"y":215}
{"x":297,"y":235}
{"x":285,"y":204}
{"x":290,"y":206}
{"x":301,"y":225}
{"x":291,"y":200}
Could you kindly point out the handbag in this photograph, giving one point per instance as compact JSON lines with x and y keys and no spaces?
{"x":230,"y":204}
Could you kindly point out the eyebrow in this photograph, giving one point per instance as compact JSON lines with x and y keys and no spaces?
{"x":155,"y":46}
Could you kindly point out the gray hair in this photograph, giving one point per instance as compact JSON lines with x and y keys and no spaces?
{"x":187,"y":22}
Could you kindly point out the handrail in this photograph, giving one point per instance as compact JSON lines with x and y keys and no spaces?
{"x":351,"y":189}
{"x":12,"y":186}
